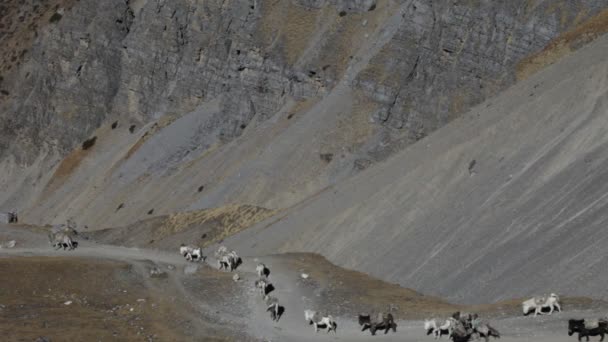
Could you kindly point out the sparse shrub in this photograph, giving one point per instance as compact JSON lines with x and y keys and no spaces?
{"x":114,"y":124}
{"x":55,"y":17}
{"x":342,"y":13}
{"x":132,"y":129}
{"x":326,"y":157}
{"x":87,"y":144}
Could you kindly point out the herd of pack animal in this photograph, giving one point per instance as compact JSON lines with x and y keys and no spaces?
{"x":459,"y":327}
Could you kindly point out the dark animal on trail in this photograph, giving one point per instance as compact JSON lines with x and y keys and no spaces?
{"x":12,"y":217}
{"x":382,"y":321}
{"x":588,"y":328}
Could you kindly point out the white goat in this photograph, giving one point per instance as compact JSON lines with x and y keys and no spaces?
{"x":262,"y":270}
{"x":431,"y":327}
{"x":191,"y":253}
{"x":227,"y":260}
{"x":59,"y":240}
{"x":263,"y":286}
{"x":539,"y":303}
{"x":327,"y":321}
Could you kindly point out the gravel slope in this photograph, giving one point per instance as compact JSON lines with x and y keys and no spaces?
{"x":505,"y":204}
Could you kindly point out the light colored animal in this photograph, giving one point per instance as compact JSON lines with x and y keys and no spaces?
{"x":458,"y":332}
{"x":263,"y":286}
{"x":311,"y":316}
{"x":8,"y":244}
{"x":227,"y":260}
{"x":262,"y":270}
{"x":484,"y":329}
{"x":327,"y":321}
{"x":191,"y":253}
{"x":539,"y":303}
{"x":61,"y":240}
{"x":61,"y":236}
{"x":185,"y":250}
{"x":432,"y":327}
{"x":197,"y":254}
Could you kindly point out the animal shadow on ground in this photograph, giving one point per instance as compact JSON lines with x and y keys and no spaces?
{"x":281,"y":312}
{"x":74,"y":244}
{"x":542,"y":311}
{"x":324,"y":326}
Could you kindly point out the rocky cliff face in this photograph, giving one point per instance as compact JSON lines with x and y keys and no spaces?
{"x":507,"y":201}
{"x":262,"y":102}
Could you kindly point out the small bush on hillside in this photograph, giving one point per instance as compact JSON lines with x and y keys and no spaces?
{"x":55,"y":18}
{"x":87,"y":144}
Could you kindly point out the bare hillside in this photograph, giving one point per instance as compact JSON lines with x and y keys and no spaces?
{"x":111,"y":110}
{"x":507,"y":201}
{"x":456,"y":148}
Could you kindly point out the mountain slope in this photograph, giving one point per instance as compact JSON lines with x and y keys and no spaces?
{"x":507,"y":201}
{"x":254,"y":102}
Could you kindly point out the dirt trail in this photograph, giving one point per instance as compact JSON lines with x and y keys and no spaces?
{"x":215,"y":301}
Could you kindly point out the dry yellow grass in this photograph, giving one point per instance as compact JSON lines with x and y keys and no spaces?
{"x":354,"y":291}
{"x":564,"y":44}
{"x":65,"y":169}
{"x":229,"y":220}
{"x":358,"y":292}
{"x":163,"y":122}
